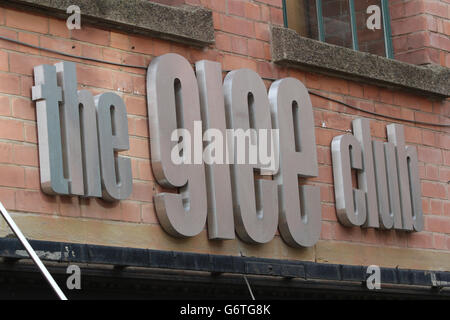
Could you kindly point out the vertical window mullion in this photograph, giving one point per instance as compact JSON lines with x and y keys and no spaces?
{"x":351,"y":5}
{"x":387,"y":29}
{"x":285,"y":19}
{"x":321,"y":32}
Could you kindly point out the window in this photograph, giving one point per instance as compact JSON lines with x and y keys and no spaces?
{"x":358,"y":24}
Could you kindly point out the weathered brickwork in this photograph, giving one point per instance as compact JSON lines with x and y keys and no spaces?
{"x":242,"y":38}
{"x":421,"y":31}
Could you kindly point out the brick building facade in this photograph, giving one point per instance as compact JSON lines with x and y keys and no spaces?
{"x":243,"y":37}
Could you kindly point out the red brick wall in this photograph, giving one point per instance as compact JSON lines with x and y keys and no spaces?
{"x":421,"y":31}
{"x":242,"y":41}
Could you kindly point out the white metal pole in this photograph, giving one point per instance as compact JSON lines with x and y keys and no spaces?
{"x":31,"y":252}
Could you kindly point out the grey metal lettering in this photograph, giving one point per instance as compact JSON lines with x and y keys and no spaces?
{"x":394,"y":191}
{"x":385,"y":203}
{"x":416,"y":194}
{"x":112,"y":127}
{"x":300,"y":210}
{"x":48,"y":96}
{"x":397,"y":137}
{"x":89,"y":144}
{"x":220,"y":205}
{"x":366,"y":176}
{"x":255,"y":202}
{"x":71,"y":142}
{"x":350,"y":203}
{"x":172,"y":94}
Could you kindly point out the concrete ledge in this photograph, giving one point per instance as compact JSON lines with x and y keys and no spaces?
{"x":190,"y":25}
{"x":289,"y":48}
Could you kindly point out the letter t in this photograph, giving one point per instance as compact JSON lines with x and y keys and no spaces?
{"x":48,"y":96}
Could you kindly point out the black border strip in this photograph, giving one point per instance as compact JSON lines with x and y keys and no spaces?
{"x":11,"y":248}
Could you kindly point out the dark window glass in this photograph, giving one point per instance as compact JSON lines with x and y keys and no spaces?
{"x":302,"y":17}
{"x":331,"y":21}
{"x":336,"y":22}
{"x":369,"y":40}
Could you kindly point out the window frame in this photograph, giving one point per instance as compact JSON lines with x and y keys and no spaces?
{"x":389,"y":51}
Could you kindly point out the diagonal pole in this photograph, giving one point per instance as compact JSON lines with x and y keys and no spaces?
{"x":31,"y":252}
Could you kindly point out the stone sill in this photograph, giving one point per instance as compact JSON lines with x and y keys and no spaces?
{"x":291,"y":49}
{"x":185,"y":24}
